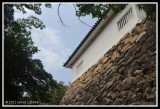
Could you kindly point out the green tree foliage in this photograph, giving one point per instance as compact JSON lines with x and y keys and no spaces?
{"x":97,"y":10}
{"x":24,"y":77}
{"x":150,"y":10}
{"x":100,"y":10}
{"x":55,"y":96}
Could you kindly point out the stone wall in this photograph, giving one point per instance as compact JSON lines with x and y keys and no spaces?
{"x":125,"y":75}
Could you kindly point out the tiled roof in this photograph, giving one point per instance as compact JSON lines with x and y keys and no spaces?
{"x":84,"y":39}
{"x":125,"y":75}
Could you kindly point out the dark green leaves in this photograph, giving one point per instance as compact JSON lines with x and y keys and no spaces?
{"x":22,"y":74}
{"x":31,"y":21}
{"x":48,"y":5}
{"x":34,"y":7}
{"x":150,"y":10}
{"x":97,"y":10}
{"x":100,"y":10}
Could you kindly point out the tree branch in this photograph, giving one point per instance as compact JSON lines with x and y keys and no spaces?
{"x":60,"y":17}
{"x":79,"y":17}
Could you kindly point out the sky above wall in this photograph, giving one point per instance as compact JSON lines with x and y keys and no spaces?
{"x":56,"y":42}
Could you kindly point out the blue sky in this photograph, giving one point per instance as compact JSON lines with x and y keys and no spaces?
{"x":57,"y":42}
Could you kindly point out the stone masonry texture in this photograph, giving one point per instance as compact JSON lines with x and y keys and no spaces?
{"x":125,"y":75}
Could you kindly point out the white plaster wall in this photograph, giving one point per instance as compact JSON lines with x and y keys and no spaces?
{"x":106,"y":39}
{"x":140,"y":13}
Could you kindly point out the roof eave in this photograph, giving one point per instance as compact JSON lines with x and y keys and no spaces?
{"x":88,"y":39}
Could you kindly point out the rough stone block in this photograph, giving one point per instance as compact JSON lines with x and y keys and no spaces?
{"x":101,"y":60}
{"x":115,"y":55}
{"x":105,"y":60}
{"x":99,"y":67}
{"x":140,"y":36}
{"x":114,"y":95}
{"x":126,"y":47}
{"x":106,"y":101}
{"x":128,"y":40}
{"x":103,"y":84}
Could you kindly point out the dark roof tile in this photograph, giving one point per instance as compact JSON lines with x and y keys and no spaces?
{"x":82,"y":42}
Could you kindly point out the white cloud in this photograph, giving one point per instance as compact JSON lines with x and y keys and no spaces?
{"x":53,"y":52}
